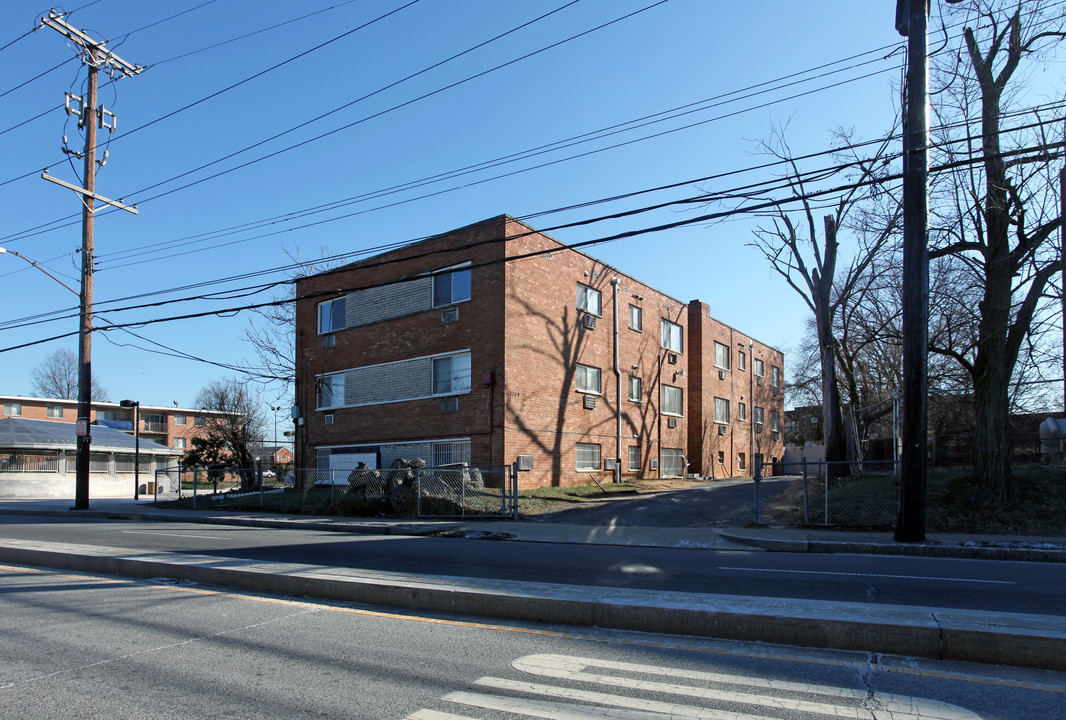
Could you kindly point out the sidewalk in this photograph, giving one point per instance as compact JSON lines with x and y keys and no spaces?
{"x":975,"y":547}
{"x":975,"y":636}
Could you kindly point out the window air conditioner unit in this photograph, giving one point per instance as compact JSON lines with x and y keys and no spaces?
{"x":590,"y":322}
{"x":525,"y":463}
{"x":721,"y":374}
{"x":653,"y":464}
{"x":590,"y":402}
{"x":721,"y":429}
{"x":758,"y":381}
{"x":329,"y":341}
{"x":449,"y":404}
{"x":610,"y":464}
{"x":449,"y":315}
{"x":328,"y":418}
{"x":671,"y":358}
{"x":671,"y":422}
{"x":775,"y":392}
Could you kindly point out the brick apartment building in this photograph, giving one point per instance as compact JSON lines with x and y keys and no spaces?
{"x":468,"y":348}
{"x":171,"y":426}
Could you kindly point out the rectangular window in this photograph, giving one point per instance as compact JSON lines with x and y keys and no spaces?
{"x":721,"y":356}
{"x":758,"y":366}
{"x":179,"y":419}
{"x":673,"y":461}
{"x":671,"y":336}
{"x":742,"y":461}
{"x":451,"y":453}
{"x":721,"y":411}
{"x":588,"y":299}
{"x":107,"y":415}
{"x":775,"y":421}
{"x":758,"y":415}
{"x":742,"y":361}
{"x":154,"y":423}
{"x":451,"y":374}
{"x":742,"y":412}
{"x":450,"y":288}
{"x":13,"y":409}
{"x":179,"y":443}
{"x":634,"y":458}
{"x":634,"y":388}
{"x":331,"y":315}
{"x":636,"y":318}
{"x":330,"y":391}
{"x":721,"y":457}
{"x":588,"y":379}
{"x":199,"y":421}
{"x":55,"y":411}
{"x":588,"y":456}
{"x":775,"y":376}
{"x":673,"y":400}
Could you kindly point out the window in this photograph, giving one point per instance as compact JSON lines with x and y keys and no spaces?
{"x":179,"y":443}
{"x":673,"y":400}
{"x":451,"y":453}
{"x":634,"y":457}
{"x":758,"y":415}
{"x":634,"y":388}
{"x":721,"y":356}
{"x":742,"y":461}
{"x":721,"y":410}
{"x":451,"y":374}
{"x":671,"y":334}
{"x":179,"y":419}
{"x":742,"y":412}
{"x":13,"y":409}
{"x":331,"y":315}
{"x":775,"y":421}
{"x":758,"y":366}
{"x":636,"y":318}
{"x":775,"y":376}
{"x":330,"y":391}
{"x":588,"y":456}
{"x":107,"y":415}
{"x":673,"y":461}
{"x":721,"y":457}
{"x":451,"y":287}
{"x":588,"y":379}
{"x":55,"y":411}
{"x":199,"y":421}
{"x":742,"y":361}
{"x":588,"y":299}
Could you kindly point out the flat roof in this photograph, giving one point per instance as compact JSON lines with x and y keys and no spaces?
{"x":26,"y":434}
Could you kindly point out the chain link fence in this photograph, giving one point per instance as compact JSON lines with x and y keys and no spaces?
{"x":442,"y":492}
{"x":828,"y":494}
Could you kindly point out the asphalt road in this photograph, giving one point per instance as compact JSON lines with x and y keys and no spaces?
{"x":924,"y":582}
{"x":88,"y":647}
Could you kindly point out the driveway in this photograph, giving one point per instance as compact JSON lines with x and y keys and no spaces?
{"x":725,"y":503}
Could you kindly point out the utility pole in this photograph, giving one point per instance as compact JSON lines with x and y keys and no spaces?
{"x":911,"y":22}
{"x":94,"y":55}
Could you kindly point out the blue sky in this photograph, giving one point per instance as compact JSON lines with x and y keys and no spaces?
{"x":668,"y":56}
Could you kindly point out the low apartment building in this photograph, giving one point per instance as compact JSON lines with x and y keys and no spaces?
{"x":494,"y":341}
{"x":171,"y":426}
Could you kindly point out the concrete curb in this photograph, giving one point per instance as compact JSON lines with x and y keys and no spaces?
{"x":1005,"y":638}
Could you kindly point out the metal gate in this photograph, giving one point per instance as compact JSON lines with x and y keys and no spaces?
{"x":461,"y":491}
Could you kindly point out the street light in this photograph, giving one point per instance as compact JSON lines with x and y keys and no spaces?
{"x":136,"y":405}
{"x":31,"y":262}
{"x":274,"y":450}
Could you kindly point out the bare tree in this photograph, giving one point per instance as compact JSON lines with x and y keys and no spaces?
{"x":232,"y":431}
{"x":808,"y":263}
{"x":995,"y":210}
{"x":57,"y":377}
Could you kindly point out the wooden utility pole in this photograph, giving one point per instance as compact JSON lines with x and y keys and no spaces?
{"x":1062,"y":259}
{"x":94,"y":56}
{"x":911,"y":21}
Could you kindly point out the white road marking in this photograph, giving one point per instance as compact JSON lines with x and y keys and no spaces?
{"x":434,"y":715}
{"x":873,"y":575}
{"x":198,"y":537}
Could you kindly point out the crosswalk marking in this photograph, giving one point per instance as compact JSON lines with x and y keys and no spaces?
{"x":556,"y":702}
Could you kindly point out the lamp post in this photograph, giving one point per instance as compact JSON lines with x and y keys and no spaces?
{"x":136,"y":405}
{"x":274,"y":450}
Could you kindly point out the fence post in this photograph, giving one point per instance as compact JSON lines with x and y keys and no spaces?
{"x":195,"y":485}
{"x":514,"y":490}
{"x":757,"y":477}
{"x":259,"y":475}
{"x":806,"y":497}
{"x":827,"y":468}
